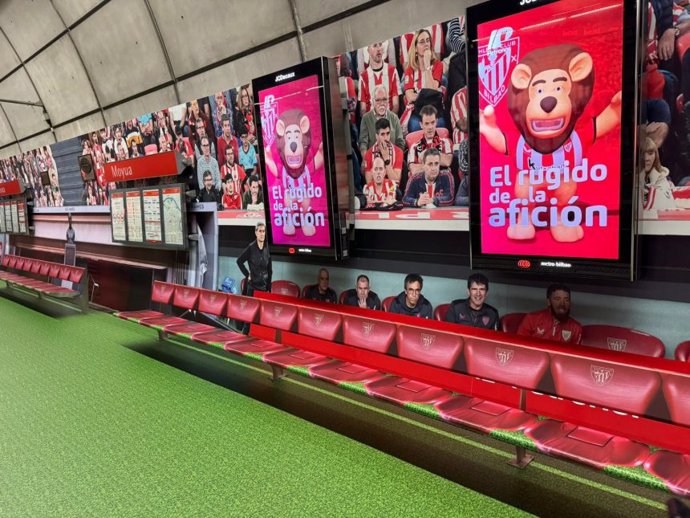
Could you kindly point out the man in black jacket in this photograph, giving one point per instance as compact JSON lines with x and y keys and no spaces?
{"x":362,"y":296}
{"x":411,"y":302}
{"x":259,"y":258}
{"x":474,"y":311}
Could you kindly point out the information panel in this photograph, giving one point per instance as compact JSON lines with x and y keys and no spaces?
{"x":21,"y":216}
{"x":547,"y":99}
{"x":150,"y":216}
{"x":2,"y":218}
{"x":8,"y":217}
{"x":134,"y":216}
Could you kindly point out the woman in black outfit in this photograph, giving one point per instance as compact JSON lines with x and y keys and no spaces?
{"x":259,"y":258}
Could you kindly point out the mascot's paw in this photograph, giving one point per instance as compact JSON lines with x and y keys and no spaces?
{"x":289,"y":229}
{"x":564,"y":234}
{"x":308,"y":230}
{"x":521,"y":232}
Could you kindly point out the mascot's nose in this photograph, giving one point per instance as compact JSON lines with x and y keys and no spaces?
{"x":293,"y":146}
{"x":548,"y":104}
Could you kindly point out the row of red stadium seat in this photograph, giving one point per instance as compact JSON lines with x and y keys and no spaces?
{"x":485,"y":380}
{"x":30,"y":273}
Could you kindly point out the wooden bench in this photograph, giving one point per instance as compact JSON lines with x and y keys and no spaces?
{"x":583,"y":404}
{"x":38,"y":277}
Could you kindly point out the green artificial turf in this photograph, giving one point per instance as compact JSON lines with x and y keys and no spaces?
{"x":89,"y":427}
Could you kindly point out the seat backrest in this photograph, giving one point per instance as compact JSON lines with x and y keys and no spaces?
{"x":375,"y":335}
{"x":511,"y":322}
{"x":622,"y":339}
{"x":162,"y":292}
{"x":20,"y":263}
{"x":343,"y":297}
{"x":186,"y":297}
{"x":603,"y":383}
{"x":677,"y":395}
{"x":505,"y":363}
{"x":242,"y":308}
{"x":278,"y":315}
{"x":5,"y":260}
{"x":45,"y":268}
{"x":65,"y":272}
{"x":36,"y":266}
{"x":386,"y":303}
{"x":287,"y":288}
{"x":683,"y":351}
{"x":12,"y":262}
{"x":212,"y":302}
{"x":429,"y":346}
{"x":54,"y":270}
{"x":76,"y":274}
{"x":319,"y":323}
{"x":440,"y":311}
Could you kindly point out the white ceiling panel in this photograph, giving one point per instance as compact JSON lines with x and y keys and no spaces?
{"x":150,"y":103}
{"x":8,"y":59}
{"x":10,"y":151}
{"x":72,"y":10}
{"x":241,"y":71}
{"x":312,"y":11}
{"x":121,"y":51}
{"x":44,"y":139}
{"x":26,"y":120}
{"x":206,"y":31}
{"x":79,"y":127}
{"x":29,"y":24}
{"x":6,"y":135}
{"x":61,"y":81}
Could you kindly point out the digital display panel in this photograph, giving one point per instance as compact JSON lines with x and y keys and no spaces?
{"x":301,"y":139}
{"x":551,"y":138}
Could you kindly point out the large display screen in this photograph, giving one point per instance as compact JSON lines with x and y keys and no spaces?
{"x":296,"y":143}
{"x":547,"y":97}
{"x":149,"y":216}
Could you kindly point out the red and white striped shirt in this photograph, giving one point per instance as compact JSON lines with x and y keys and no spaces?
{"x":458,"y":111}
{"x":386,"y":76}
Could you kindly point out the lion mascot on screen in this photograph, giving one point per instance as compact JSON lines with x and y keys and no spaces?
{"x":549,"y":90}
{"x":293,"y":141}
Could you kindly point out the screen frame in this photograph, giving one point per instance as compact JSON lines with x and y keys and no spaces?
{"x":562,"y":266}
{"x":144,"y":244}
{"x":318,"y":67}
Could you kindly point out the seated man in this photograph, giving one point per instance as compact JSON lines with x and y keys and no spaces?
{"x":411,"y":302}
{"x":254,"y":196}
{"x":231,"y":198}
{"x":321,"y":291}
{"x":367,"y":129}
{"x":362,"y":296}
{"x":209,"y":193}
{"x":430,"y":139}
{"x":554,"y":322}
{"x":431,"y":188}
{"x":380,"y":191}
{"x":391,"y":154}
{"x":474,"y":311}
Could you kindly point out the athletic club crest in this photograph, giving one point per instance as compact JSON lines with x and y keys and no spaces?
{"x":277,"y":310}
{"x":486,"y":320}
{"x":566,"y":334}
{"x":495,"y":60}
{"x":367,"y":328}
{"x":504,"y":356}
{"x":427,"y":340}
{"x":243,"y":304}
{"x":616,"y":344}
{"x":318,"y":318}
{"x":269,"y":117}
{"x":601,"y":375}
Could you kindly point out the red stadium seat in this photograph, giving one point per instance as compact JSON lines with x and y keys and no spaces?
{"x":511,"y":322}
{"x":622,"y":339}
{"x":683,"y":351}
{"x":311,"y":322}
{"x":278,"y":315}
{"x":613,"y":386}
{"x":36,"y":266}
{"x":440,"y":311}
{"x":427,"y":346}
{"x":497,"y":362}
{"x":242,"y":308}
{"x":672,"y":468}
{"x":210,"y":302}
{"x":307,"y":287}
{"x":386,"y":303}
{"x":342,"y":297}
{"x":161,"y":292}
{"x":287,"y":288}
{"x":415,"y":136}
{"x":5,"y":260}
{"x":677,"y":395}
{"x":184,"y":297}
{"x":45,"y":268}
{"x":374,"y":335}
{"x":151,"y":149}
